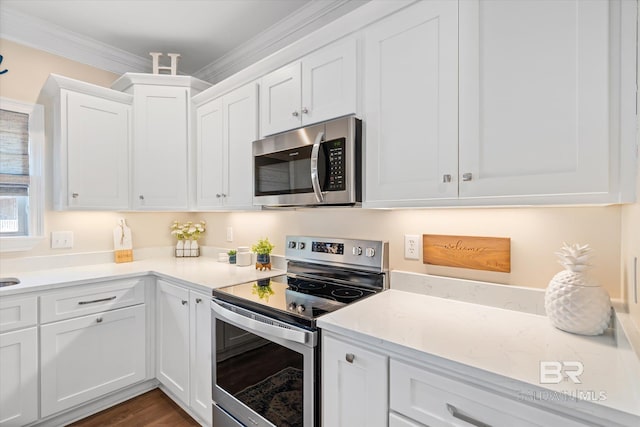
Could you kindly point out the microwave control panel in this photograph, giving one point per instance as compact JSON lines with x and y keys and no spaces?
{"x":336,"y":154}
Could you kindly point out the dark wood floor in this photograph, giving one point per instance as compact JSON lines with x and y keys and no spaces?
{"x":153,"y":408}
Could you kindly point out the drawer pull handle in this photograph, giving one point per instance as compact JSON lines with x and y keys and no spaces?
{"x":198,"y":300}
{"x":349,"y":357}
{"x":184,"y":302}
{"x":99,"y":320}
{"x":96,"y":300}
{"x":467,"y":419}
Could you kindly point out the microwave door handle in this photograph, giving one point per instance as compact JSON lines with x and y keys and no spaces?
{"x":315,"y":177}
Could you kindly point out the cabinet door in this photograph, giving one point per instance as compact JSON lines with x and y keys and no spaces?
{"x":280,"y":94}
{"x":87,"y":357}
{"x":534,"y":96}
{"x":209,"y":143}
{"x":172,"y":339}
{"x":200,"y":347}
{"x":411,"y":108}
{"x":160,"y":147}
{"x":354,"y":385}
{"x":19,"y":374}
{"x":240,"y":130}
{"x":329,"y":83}
{"x":97,"y":152}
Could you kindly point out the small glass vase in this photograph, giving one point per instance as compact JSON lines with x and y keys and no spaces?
{"x":180,"y":248}
{"x":194,"y":249}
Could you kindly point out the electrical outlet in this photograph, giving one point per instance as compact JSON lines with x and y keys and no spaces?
{"x":61,"y":239}
{"x":229,"y":234}
{"x":411,"y":246}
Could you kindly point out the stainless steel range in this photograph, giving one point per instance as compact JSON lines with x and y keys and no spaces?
{"x":265,"y":342}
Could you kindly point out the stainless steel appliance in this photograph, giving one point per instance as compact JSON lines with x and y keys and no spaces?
{"x":319,"y":165}
{"x":266,"y":349}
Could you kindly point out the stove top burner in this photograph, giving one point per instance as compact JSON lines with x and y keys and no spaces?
{"x":347,"y":293}
{"x":309,"y":286}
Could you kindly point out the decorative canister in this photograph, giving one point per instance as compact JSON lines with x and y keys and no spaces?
{"x":573,"y":302}
{"x":243,"y":256}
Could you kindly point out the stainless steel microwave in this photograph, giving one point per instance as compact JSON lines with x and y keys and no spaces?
{"x":319,"y":165}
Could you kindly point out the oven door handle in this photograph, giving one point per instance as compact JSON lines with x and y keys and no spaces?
{"x":315,"y":177}
{"x":255,"y":325}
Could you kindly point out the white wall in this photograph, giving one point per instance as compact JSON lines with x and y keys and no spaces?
{"x":536,"y":233}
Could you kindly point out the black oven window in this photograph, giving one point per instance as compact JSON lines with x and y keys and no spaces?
{"x":263,"y":375}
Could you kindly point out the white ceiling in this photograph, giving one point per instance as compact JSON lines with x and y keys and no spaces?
{"x":205,"y":33}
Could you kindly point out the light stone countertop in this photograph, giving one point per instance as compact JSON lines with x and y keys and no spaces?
{"x":201,"y":273}
{"x":499,"y":346}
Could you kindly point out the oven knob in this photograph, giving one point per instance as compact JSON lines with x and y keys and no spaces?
{"x":292,"y":306}
{"x":357,"y":250}
{"x":292,"y":245}
{"x":370,"y":252}
{"x":300,"y":309}
{"x":301,"y":245}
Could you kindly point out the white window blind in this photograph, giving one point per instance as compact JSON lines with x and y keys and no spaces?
{"x":14,"y":153}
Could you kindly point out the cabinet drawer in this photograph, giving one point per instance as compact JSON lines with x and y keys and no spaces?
{"x":436,"y":400}
{"x":89,"y":299}
{"x":18,"y":312}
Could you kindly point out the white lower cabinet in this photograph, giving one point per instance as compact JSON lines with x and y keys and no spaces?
{"x":200,"y":360}
{"x":19,"y":377}
{"x":354,"y":385}
{"x":183,"y":353}
{"x":86,"y":357}
{"x":437,"y":400}
{"x":367,"y":386}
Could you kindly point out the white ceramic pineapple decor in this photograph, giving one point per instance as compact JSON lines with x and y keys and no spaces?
{"x":573,"y":302}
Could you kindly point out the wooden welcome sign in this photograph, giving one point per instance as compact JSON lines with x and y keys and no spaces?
{"x":478,"y":253}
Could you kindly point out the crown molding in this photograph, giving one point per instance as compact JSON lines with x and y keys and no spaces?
{"x":302,"y":22}
{"x":42,"y":35}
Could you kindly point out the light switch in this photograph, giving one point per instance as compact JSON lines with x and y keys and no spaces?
{"x":61,"y":239}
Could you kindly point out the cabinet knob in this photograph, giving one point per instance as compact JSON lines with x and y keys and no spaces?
{"x":446,"y":178}
{"x":198,"y":300}
{"x":99,"y":320}
{"x":224,"y":195}
{"x":141,"y":197}
{"x":305,"y":111}
{"x":218,"y":195}
{"x":184,"y":302}
{"x":74,"y":195}
{"x":295,"y":114}
{"x":349,"y":357}
{"x":467,"y":176}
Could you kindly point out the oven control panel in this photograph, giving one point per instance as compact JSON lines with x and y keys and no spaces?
{"x":368,"y":254}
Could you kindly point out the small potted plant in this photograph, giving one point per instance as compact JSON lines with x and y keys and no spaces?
{"x":232,"y":256}
{"x":263,"y":250}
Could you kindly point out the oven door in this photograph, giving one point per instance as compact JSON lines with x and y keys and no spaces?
{"x":264,"y":371}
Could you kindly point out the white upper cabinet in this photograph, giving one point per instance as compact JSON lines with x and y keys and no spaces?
{"x":225,"y":129}
{"x":321,"y":86}
{"x":161,"y":138}
{"x":501,"y":102}
{"x":411,"y":105}
{"x":535,"y":110}
{"x":91,"y":142}
{"x":161,"y":144}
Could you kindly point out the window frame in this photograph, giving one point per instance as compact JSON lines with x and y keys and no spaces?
{"x":36,"y":176}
